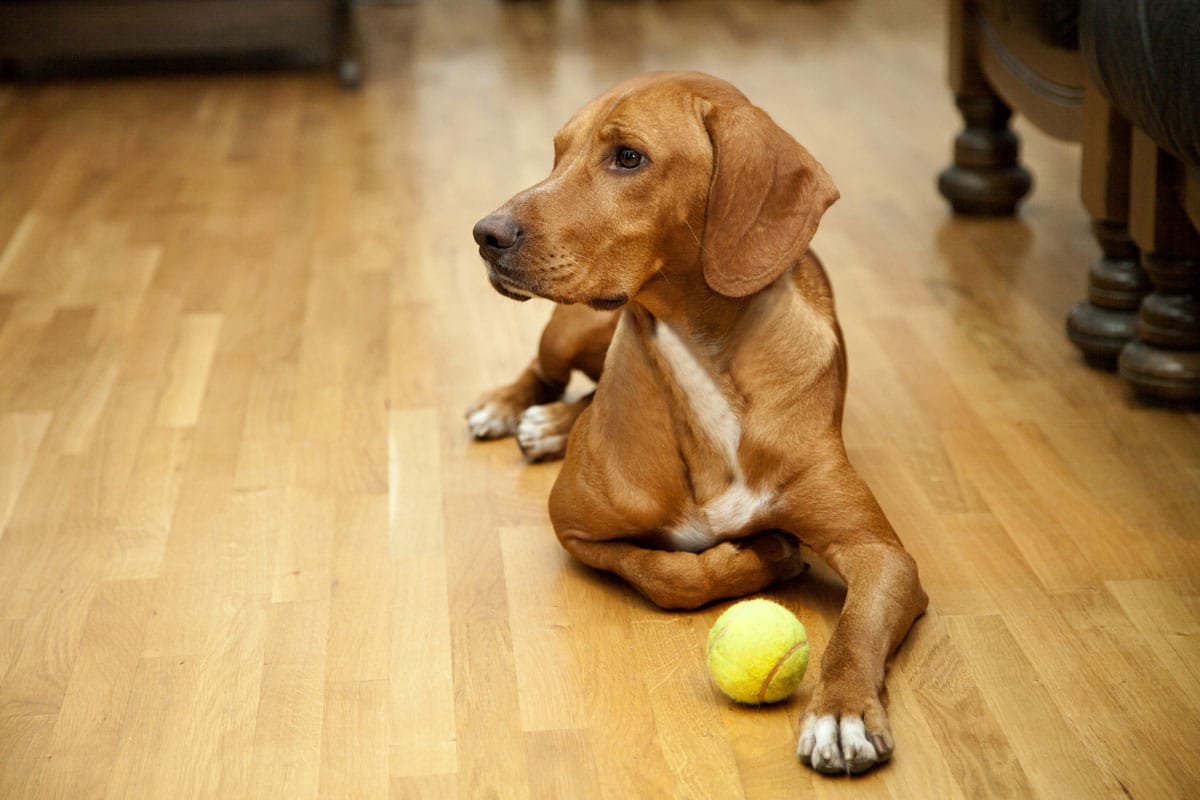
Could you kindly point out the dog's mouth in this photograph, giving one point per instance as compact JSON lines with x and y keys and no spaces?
{"x":608,"y":303}
{"x":518,"y":287}
{"x":507,"y":288}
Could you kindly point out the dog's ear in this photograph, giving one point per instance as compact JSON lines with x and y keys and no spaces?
{"x":766,"y":197}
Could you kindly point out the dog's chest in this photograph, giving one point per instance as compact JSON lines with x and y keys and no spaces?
{"x":709,"y":410}
{"x":712,"y":419}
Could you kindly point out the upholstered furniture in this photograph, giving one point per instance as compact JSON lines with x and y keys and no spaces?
{"x":79,"y":32}
{"x":1123,"y":78}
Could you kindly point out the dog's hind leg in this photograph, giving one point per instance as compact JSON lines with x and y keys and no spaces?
{"x":680,"y":579}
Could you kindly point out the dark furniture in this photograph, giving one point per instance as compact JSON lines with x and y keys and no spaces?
{"x":1123,"y":78}
{"x":87,"y":33}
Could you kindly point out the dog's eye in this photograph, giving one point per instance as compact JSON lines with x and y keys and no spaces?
{"x":628,"y":158}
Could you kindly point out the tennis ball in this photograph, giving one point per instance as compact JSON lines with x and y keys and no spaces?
{"x":757,"y":652}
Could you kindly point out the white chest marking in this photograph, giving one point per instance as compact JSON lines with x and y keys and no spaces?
{"x":710,"y":409}
{"x":737,"y":506}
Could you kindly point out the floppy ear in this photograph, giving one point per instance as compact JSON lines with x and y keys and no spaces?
{"x":767,"y":195}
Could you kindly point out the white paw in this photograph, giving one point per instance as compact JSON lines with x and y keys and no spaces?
{"x":836,"y":747}
{"x":490,"y":421}
{"x":541,"y":432}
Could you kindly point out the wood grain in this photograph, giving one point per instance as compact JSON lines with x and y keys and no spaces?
{"x":248,"y":549}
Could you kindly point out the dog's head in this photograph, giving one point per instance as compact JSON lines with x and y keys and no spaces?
{"x":673,"y":173}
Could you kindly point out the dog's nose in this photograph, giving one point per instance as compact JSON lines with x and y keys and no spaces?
{"x":497,"y":233}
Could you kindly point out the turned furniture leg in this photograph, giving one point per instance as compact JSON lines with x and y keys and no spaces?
{"x":1105,"y":322}
{"x":985,"y":177}
{"x":1163,"y":362}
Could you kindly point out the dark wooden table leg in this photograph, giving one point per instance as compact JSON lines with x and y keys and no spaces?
{"x":1164,"y":360}
{"x":1105,"y":322}
{"x":985,"y":177}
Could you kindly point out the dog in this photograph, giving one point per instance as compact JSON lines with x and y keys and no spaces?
{"x":673,"y":233}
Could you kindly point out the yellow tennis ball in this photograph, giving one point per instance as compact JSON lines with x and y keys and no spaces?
{"x":757,"y":652}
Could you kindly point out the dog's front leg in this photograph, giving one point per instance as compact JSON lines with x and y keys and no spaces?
{"x":497,"y":413}
{"x":845,"y":727}
{"x":575,"y":338}
{"x":542,"y":429}
{"x":678,"y":579}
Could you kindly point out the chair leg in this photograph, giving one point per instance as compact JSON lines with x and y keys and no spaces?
{"x":1104,"y":323}
{"x":1163,"y":362}
{"x":985,"y":178}
{"x":1107,"y":321}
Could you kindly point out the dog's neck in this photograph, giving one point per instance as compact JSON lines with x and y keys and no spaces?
{"x":695,"y":311}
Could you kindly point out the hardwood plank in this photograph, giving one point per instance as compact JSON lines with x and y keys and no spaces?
{"x":30,"y":536}
{"x":92,"y":717}
{"x":361,"y":591}
{"x":1165,"y":615}
{"x":20,"y":437}
{"x":1153,"y":759}
{"x":542,"y":640}
{"x":978,"y":756}
{"x":354,"y":740}
{"x":290,"y":717}
{"x":58,"y":362}
{"x":416,"y":521}
{"x":623,"y":735}
{"x":762,"y":739}
{"x":907,"y":712}
{"x":681,"y":697}
{"x":565,"y":764}
{"x":148,"y":505}
{"x":286,"y":760}
{"x":36,"y":681}
{"x":491,"y":751}
{"x":425,"y":787}
{"x":1045,"y":743}
{"x":190,"y":365}
{"x":421,"y":708}
{"x":24,"y":745}
{"x":195,"y":711}
{"x":1054,"y":556}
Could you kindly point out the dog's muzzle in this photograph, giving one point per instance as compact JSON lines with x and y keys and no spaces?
{"x":499,"y":236}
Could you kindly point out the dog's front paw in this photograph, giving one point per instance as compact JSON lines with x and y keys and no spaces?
{"x":542,"y":430}
{"x":844,"y":742}
{"x":493,"y":418}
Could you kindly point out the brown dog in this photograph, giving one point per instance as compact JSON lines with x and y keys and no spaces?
{"x":715,"y":426}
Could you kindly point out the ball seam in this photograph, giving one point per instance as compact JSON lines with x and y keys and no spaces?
{"x":762,"y":692}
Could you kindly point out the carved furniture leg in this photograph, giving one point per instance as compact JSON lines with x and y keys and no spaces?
{"x":1163,"y":362}
{"x":985,"y":177}
{"x":1106,"y":321}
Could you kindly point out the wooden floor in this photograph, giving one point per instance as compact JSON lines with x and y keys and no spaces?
{"x":247,"y":548}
